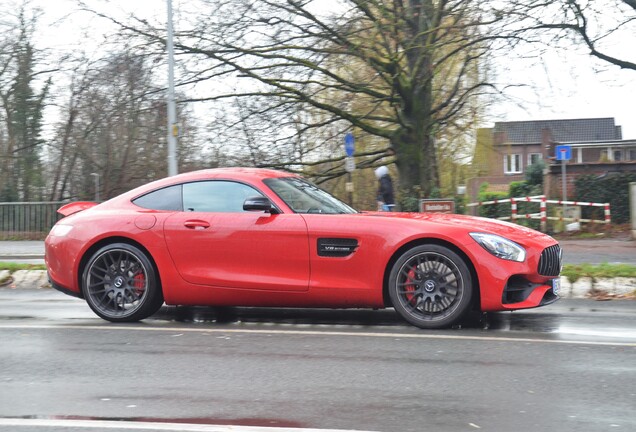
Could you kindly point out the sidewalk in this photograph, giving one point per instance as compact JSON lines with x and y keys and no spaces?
{"x":21,"y":250}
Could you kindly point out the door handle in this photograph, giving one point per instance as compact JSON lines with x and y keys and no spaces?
{"x":196,"y":224}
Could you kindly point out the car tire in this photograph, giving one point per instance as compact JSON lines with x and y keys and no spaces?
{"x":120,"y":284}
{"x":430,"y":286}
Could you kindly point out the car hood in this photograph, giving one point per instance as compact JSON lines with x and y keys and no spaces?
{"x":509,"y":230}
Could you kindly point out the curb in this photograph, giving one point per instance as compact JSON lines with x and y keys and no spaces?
{"x":19,"y":257}
{"x":25,"y":279}
{"x":584,"y":287}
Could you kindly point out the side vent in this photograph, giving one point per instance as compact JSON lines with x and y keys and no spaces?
{"x":336,"y":247}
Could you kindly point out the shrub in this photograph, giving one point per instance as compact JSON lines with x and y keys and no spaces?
{"x":534,"y":174}
{"x":492,"y":210}
{"x":612,"y":188}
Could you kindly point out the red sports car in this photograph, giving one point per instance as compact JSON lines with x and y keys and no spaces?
{"x":255,"y":237}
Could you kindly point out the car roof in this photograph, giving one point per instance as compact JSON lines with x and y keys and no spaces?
{"x":250,"y":175}
{"x":239,"y":173}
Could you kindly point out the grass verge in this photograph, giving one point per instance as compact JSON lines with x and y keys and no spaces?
{"x":13,"y":267}
{"x":576,"y":271}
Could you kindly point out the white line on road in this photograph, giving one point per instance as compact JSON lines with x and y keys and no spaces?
{"x":317,"y":333}
{"x":154,"y":426}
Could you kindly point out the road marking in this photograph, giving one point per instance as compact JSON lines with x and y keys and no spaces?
{"x":154,"y":426}
{"x":183,"y":330}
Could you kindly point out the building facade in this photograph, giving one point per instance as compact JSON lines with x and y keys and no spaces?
{"x":503,"y":153}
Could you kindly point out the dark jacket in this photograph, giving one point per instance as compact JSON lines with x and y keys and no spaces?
{"x":385,"y":192}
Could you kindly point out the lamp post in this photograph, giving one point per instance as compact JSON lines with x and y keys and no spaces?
{"x":173,"y":128}
{"x":96,"y":186}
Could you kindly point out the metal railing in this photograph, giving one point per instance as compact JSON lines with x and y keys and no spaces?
{"x":542,"y":215}
{"x":27,"y":220}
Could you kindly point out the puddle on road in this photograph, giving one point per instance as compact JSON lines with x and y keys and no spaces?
{"x":574,"y":322}
{"x":615,"y":333}
{"x":248,"y":422}
{"x":500,"y":321}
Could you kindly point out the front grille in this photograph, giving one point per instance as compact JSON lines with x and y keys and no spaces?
{"x":550,"y":261}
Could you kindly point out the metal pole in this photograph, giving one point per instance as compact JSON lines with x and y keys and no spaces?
{"x":173,"y":128}
{"x":96,"y":186}
{"x":564,"y":188}
{"x":350,"y":180}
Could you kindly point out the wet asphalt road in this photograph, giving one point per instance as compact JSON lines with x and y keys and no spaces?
{"x":593,"y":251}
{"x":570,"y":366}
{"x":596,"y":251}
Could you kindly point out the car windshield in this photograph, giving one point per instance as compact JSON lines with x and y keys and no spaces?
{"x":304,"y":197}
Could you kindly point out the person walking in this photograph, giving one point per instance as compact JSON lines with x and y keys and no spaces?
{"x":386,"y":200}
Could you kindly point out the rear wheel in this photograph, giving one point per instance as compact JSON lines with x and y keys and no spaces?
{"x":120,"y":284}
{"x":430,"y":286}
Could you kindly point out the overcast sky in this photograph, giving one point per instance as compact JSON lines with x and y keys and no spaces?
{"x":563,"y":85}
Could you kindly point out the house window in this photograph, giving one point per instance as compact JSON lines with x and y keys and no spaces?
{"x":618,"y":155}
{"x":512,"y":164}
{"x":533,"y":158}
{"x":632,"y":155}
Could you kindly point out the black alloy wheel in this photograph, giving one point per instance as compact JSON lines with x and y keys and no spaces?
{"x":430,"y":286}
{"x":120,"y":284}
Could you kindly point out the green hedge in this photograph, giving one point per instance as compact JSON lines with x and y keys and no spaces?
{"x":495,"y":210}
{"x":613,"y":189}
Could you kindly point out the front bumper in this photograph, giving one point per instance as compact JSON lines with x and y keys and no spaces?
{"x":519,"y":292}
{"x":508,"y":285}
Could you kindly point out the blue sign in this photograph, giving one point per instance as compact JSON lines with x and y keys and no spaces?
{"x":349,"y":144}
{"x":563,"y":152}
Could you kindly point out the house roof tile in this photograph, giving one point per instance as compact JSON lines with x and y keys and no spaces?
{"x":573,"y":130}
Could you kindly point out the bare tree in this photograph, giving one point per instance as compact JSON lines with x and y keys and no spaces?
{"x":396,"y":70}
{"x":22,"y":105}
{"x":602,"y":27}
{"x":114,"y":126}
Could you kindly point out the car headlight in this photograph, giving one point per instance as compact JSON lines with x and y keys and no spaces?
{"x":500,"y":247}
{"x":60,"y":230}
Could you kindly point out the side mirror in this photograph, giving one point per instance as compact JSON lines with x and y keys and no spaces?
{"x":259,"y":203}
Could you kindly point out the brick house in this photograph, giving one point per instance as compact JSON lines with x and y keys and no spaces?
{"x":504,"y":152}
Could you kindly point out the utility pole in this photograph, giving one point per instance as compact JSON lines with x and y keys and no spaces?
{"x":173,"y":128}
{"x":96,"y":176}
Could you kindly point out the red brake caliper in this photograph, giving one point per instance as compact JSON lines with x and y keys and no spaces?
{"x":139,"y":283}
{"x":410,"y":288}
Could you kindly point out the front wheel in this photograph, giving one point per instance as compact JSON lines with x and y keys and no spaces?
{"x":430,"y":286}
{"x":120,"y":284}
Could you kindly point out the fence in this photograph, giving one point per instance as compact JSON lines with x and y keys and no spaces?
{"x":27,"y":220}
{"x":543,"y":213}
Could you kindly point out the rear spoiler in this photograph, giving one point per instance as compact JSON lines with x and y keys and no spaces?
{"x":75,"y":207}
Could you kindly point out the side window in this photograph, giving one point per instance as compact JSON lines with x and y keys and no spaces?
{"x":168,"y":198}
{"x":216,"y":196}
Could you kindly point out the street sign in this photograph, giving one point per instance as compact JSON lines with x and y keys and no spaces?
{"x":349,"y":142}
{"x":350,"y":164}
{"x":437,"y":206}
{"x":563,"y":152}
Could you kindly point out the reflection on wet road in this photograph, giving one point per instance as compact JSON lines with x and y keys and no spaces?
{"x":567,"y":367}
{"x":572,"y":321}
{"x":575,"y":320}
